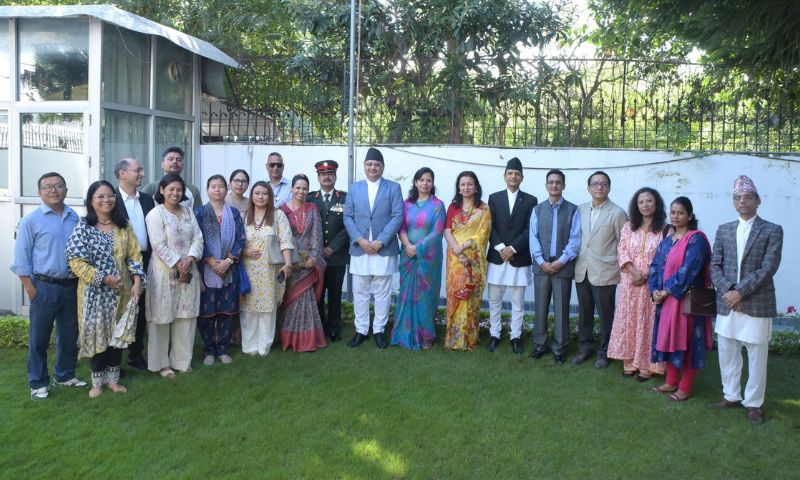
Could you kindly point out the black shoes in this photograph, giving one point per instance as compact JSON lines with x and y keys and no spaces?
{"x":560,"y":359}
{"x":516,"y":346}
{"x":537,"y":354}
{"x":357,"y":340}
{"x":602,"y":361}
{"x":493,"y":343}
{"x":380,"y":341}
{"x":138,"y":362}
{"x":581,"y":357}
{"x":334,"y":336}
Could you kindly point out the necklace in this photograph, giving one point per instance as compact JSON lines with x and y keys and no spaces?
{"x":104,"y":223}
{"x":258,"y":223}
{"x":300,"y":222}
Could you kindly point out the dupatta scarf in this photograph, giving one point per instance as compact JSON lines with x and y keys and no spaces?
{"x":219,"y":238}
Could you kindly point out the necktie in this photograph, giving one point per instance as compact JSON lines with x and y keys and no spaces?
{"x":327,"y":200}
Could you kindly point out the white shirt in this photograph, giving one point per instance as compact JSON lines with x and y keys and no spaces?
{"x":594,"y":212}
{"x":189,"y":202}
{"x":512,"y":200}
{"x":136,"y":216}
{"x":372,"y":192}
{"x":742,"y":233}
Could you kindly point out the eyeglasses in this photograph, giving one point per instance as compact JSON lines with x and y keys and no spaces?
{"x":275,"y":165}
{"x":747,"y":197}
{"x":555,"y":182}
{"x":103,"y":198}
{"x":58,"y":186}
{"x":599,"y":184}
{"x":239,"y":181}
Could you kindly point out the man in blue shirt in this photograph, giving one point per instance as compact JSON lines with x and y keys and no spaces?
{"x":555,"y":240}
{"x":281,"y":188}
{"x":41,"y":265}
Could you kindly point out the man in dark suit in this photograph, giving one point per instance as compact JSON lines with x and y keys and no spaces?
{"x":335,"y":241}
{"x":509,"y":256}
{"x":746,"y":256}
{"x":129,"y":173}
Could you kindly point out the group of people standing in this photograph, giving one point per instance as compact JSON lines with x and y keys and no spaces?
{"x":239,"y":267}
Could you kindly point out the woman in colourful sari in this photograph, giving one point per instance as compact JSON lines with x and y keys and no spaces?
{"x":301,"y":327}
{"x":467,"y":229}
{"x":681,"y":262}
{"x":632,"y":333}
{"x":420,"y":265}
{"x":105,"y":256}
{"x":223,"y":242}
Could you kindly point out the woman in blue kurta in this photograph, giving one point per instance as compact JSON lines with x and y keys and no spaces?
{"x":420,"y":265}
{"x":224,"y":238}
{"x":680,"y":263}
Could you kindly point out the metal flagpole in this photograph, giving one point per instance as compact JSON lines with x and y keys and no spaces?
{"x":351,"y":164}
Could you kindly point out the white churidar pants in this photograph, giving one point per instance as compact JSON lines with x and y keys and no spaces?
{"x":258,"y":331}
{"x":517,"y":294}
{"x":170,"y":345}
{"x":380,"y":287}
{"x":730,"y":367}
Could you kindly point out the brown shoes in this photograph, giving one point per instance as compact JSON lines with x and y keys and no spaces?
{"x":726,"y":404}
{"x":755,"y":415}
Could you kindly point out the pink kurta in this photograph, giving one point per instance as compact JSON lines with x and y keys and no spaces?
{"x":632,"y":333}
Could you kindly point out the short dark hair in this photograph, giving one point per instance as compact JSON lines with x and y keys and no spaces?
{"x":557,"y":172}
{"x":300,"y":176}
{"x":687,"y":204}
{"x":458,"y":199}
{"x":599,"y":172}
{"x":49,"y":175}
{"x":240,"y":170}
{"x":118,"y":215}
{"x":659,"y":216}
{"x":275,"y":154}
{"x":121,"y":165}
{"x":166,"y":180}
{"x":413,"y":193}
{"x":216,"y":177}
{"x":173,"y":149}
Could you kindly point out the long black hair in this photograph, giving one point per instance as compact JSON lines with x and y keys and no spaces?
{"x":413,"y":193}
{"x":166,"y":180}
{"x":118,"y":215}
{"x":458,"y":199}
{"x":659,"y":215}
{"x":251,"y":207}
{"x":687,"y":204}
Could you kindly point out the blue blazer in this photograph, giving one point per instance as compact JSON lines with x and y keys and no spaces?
{"x":385,"y":219}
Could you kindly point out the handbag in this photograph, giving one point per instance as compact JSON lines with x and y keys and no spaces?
{"x":700,"y":302}
{"x":275,"y":255}
{"x":244,"y":281}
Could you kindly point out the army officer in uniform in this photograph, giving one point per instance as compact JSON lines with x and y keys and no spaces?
{"x":330,"y":203}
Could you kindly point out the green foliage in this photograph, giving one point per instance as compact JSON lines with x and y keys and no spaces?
{"x":13,"y":332}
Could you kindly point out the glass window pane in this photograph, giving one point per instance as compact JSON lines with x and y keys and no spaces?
{"x":126,"y":66}
{"x":174,"y":73}
{"x":124,"y":136}
{"x":4,"y":149}
{"x":171,"y":133}
{"x":54,"y":142}
{"x":5,"y":68}
{"x":53,"y":59}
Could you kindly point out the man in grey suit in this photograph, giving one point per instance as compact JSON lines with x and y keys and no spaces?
{"x":746,"y":256}
{"x":373,"y":214}
{"x":555,"y":237}
{"x":596,"y":270}
{"x":172,"y":162}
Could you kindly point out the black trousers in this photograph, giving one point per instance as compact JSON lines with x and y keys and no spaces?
{"x":589,"y":297}
{"x":112,"y":357}
{"x":135,"y":349}
{"x":332,"y":319}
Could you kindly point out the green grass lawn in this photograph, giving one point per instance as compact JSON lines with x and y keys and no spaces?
{"x":366,"y":413}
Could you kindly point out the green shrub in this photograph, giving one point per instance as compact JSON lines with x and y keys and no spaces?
{"x":13,"y":332}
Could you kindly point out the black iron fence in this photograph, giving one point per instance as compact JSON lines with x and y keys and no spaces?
{"x":601,"y":103}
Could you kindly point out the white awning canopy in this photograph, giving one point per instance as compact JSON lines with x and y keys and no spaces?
{"x":121,"y":18}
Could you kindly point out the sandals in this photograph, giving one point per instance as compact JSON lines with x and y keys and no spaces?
{"x":679,"y":396}
{"x":167,"y":373}
{"x":641,"y":378}
{"x":628,"y":374}
{"x":666,"y":388}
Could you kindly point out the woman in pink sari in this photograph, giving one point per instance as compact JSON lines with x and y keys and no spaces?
{"x":681,"y":262}
{"x":301,"y":327}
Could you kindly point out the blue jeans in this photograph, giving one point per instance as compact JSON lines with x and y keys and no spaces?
{"x":53,"y":304}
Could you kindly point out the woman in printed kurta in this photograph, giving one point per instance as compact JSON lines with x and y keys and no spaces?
{"x":105,"y":256}
{"x":467,"y":230}
{"x":263,"y":225}
{"x":223,"y":241}
{"x":301,"y":327}
{"x":632,"y":333}
{"x":420,"y":265}
{"x":173,"y":294}
{"x":681,"y":262}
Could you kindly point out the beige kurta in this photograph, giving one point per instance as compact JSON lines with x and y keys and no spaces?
{"x":172,"y":237}
{"x":266,"y":292}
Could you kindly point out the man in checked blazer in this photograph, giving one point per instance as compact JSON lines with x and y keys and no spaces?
{"x":373,"y":214}
{"x":747,"y":253}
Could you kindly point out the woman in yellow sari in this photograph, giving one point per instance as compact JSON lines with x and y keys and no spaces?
{"x":467,"y":230}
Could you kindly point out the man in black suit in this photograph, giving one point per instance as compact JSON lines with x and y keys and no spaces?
{"x":129,"y":173}
{"x":330,"y":203}
{"x":509,"y":256}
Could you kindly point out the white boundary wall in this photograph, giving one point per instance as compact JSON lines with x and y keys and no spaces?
{"x":706,"y":179}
